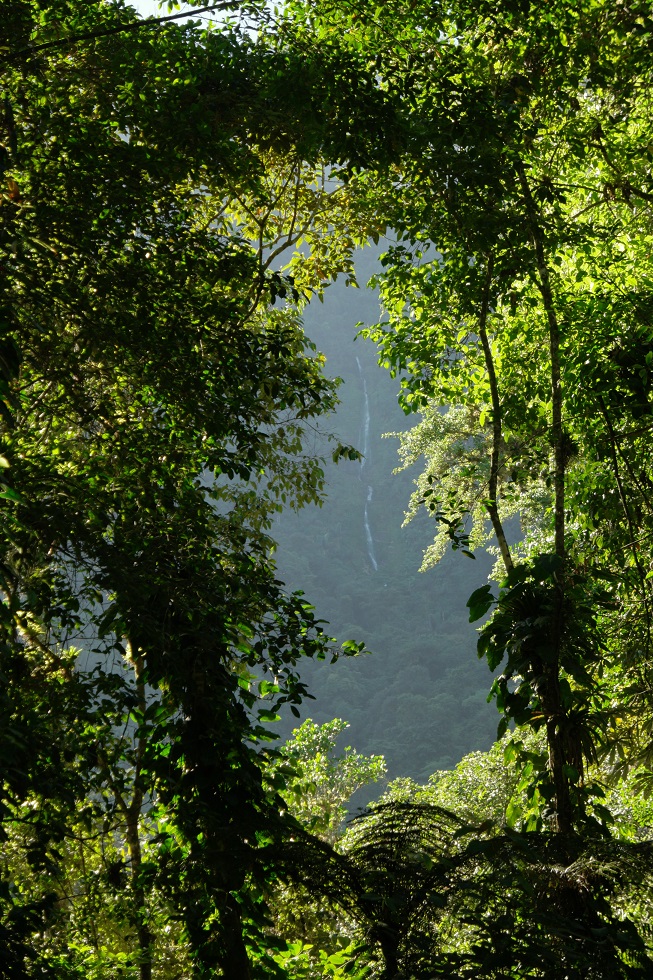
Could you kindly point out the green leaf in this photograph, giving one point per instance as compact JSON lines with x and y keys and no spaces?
{"x":479,"y":602}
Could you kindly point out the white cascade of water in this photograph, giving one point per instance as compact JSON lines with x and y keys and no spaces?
{"x":368,"y":532}
{"x":365,"y":427}
{"x":365,"y":448}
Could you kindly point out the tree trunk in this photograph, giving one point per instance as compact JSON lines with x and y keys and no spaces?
{"x":132,"y":816}
{"x":497,"y":434}
{"x":234,"y":960}
{"x":551,"y":697}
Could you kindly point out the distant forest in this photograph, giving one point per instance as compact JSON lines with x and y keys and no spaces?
{"x":420,"y":699}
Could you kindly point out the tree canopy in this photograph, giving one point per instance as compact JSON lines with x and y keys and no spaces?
{"x":171,"y":195}
{"x":517,"y":290}
{"x":155,"y":403}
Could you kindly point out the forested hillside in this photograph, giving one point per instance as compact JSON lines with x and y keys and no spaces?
{"x":176,"y":196}
{"x":420,"y":699}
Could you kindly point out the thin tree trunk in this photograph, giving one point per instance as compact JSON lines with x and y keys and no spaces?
{"x":550,"y":693}
{"x":389,"y":948}
{"x":143,"y":933}
{"x":234,"y":960}
{"x":557,"y":431}
{"x":133,"y":816}
{"x":497,"y":434}
{"x":629,"y":519}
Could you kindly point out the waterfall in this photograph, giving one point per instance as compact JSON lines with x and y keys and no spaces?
{"x":365,"y":428}
{"x":365,"y":446}
{"x":368,"y":532}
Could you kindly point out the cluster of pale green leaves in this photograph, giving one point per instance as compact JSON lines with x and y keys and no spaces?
{"x":454,"y":483}
{"x":319,"y":781}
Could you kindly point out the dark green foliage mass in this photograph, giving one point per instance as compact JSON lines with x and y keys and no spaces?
{"x":155,"y":402}
{"x":171,"y":195}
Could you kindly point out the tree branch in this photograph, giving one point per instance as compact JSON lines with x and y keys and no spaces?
{"x":551,"y":695}
{"x":629,"y":520}
{"x":121,"y":29}
{"x":557,"y":432}
{"x":491,"y":503}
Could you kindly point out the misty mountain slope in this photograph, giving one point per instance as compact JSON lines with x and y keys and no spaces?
{"x":420,"y":699}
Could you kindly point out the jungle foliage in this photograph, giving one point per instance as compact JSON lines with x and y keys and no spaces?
{"x":171,"y":196}
{"x":155,"y":399}
{"x":517,"y":302}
